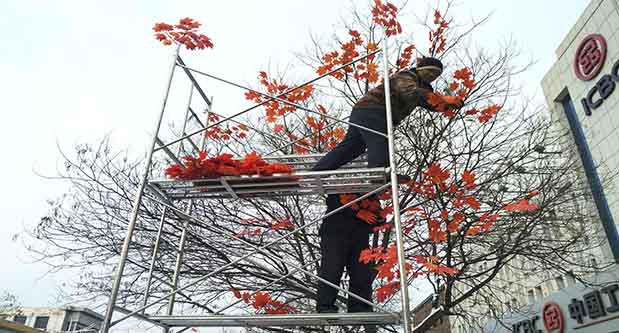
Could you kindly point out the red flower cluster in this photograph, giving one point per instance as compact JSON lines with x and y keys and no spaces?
{"x":387,"y":267}
{"x":405,"y":58}
{"x":319,"y":135}
{"x":261,"y":226}
{"x":437,"y":36}
{"x":185,"y":33}
{"x":430,"y":265}
{"x":263,"y":301}
{"x":366,"y":70}
{"x":275,"y":109}
{"x":385,"y":15}
{"x":224,"y":165}
{"x":220,"y":132}
{"x":368,"y":210}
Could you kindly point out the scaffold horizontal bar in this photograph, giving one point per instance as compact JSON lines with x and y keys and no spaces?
{"x":298,"y":183}
{"x":287,"y":320}
{"x":140,"y":316}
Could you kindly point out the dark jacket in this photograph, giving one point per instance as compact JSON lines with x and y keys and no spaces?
{"x":408,"y":91}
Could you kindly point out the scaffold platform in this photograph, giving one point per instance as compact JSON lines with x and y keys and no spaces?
{"x":352,"y":178}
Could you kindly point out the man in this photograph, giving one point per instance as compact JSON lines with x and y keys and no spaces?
{"x":409,"y":89}
{"x":344,"y":235}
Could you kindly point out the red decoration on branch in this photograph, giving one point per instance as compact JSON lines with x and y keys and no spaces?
{"x":368,"y":210}
{"x":185,"y":33}
{"x":263,"y":301}
{"x":385,"y":15}
{"x":437,"y":38}
{"x":366,"y":69}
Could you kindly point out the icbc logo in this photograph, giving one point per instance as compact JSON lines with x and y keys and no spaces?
{"x":553,"y":318}
{"x":590,"y":57}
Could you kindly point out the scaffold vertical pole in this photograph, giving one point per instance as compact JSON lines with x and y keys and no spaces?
{"x":153,"y":260}
{"x":394,"y":194}
{"x":105,"y":326}
{"x":179,"y":261}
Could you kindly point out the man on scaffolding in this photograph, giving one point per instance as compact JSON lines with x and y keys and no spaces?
{"x":343,"y":235}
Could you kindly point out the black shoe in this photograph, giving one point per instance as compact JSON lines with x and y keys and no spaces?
{"x":370,"y":328}
{"x":402,"y":179}
{"x":327,"y":309}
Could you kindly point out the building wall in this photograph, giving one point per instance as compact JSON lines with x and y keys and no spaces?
{"x":56,"y":317}
{"x":60,"y":319}
{"x":521,"y":288}
{"x":601,"y":128}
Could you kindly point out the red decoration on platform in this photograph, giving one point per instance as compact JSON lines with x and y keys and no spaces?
{"x":204,"y":167}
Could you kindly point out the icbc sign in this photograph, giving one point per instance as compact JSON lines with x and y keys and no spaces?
{"x":590,"y":57}
{"x":602,"y":89}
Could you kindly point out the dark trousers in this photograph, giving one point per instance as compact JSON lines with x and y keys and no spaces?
{"x":357,"y":140}
{"x":339,"y":251}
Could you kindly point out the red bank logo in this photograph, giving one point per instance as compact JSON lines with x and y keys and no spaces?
{"x":590,"y":57}
{"x":553,"y":318}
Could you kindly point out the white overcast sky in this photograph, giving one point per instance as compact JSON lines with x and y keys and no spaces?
{"x":73,"y":71}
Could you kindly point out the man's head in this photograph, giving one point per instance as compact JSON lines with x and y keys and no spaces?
{"x":429,"y":69}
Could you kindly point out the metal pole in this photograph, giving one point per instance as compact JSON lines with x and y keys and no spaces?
{"x":154,"y":258}
{"x":394,"y":194}
{"x":179,"y":260}
{"x":136,"y":204}
{"x":187,"y":117}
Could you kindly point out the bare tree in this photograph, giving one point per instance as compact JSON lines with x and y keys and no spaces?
{"x":516,"y":154}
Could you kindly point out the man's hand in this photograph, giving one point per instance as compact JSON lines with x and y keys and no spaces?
{"x":453,"y":102}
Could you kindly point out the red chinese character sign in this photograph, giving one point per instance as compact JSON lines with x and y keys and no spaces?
{"x":590,"y":57}
{"x":553,"y":318}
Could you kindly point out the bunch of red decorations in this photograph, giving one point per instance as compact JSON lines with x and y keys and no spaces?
{"x":437,"y":38}
{"x":262,"y":300}
{"x":365,"y":70}
{"x":290,"y":93}
{"x":224,"y":165}
{"x":185,"y":33}
{"x":385,"y":14}
{"x":368,"y":210}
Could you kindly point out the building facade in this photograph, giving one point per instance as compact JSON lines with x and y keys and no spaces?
{"x":583,"y":101}
{"x":67,"y":319}
{"x":581,"y":96}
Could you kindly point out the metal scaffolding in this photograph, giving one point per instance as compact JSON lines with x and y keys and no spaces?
{"x":176,"y":198}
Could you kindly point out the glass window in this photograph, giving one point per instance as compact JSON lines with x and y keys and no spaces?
{"x":560,"y":282}
{"x":531,"y":296}
{"x":41,"y":322}
{"x":20,"y":319}
{"x":539,"y":292}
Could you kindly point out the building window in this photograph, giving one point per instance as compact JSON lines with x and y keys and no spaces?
{"x":41,"y":322}
{"x":594,"y":263}
{"x":531,"y":296}
{"x":539,"y":292}
{"x":20,"y":319}
{"x":560,"y":282}
{"x":570,"y":280}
